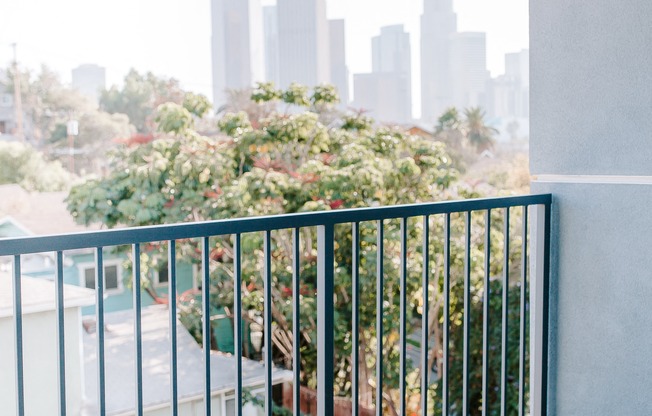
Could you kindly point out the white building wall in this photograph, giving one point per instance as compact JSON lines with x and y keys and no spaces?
{"x":40,"y":360}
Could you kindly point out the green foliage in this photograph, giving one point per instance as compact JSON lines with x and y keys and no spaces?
{"x":173,"y":118}
{"x":357,"y":122}
{"x":479,"y":134}
{"x":324,"y":95}
{"x":293,"y":162}
{"x":49,"y":105}
{"x":466,"y":135}
{"x":265,"y":92}
{"x":197,"y":104}
{"x":296,"y":94}
{"x":23,"y":165}
{"x":139,"y":96}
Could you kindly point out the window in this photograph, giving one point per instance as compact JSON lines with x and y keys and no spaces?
{"x":160,"y":275}
{"x":248,"y":409}
{"x":6,"y":100}
{"x":112,"y":276}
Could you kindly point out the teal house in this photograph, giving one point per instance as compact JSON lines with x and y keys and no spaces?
{"x":24,"y":213}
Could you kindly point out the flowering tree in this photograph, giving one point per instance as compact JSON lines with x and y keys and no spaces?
{"x":292,"y":152}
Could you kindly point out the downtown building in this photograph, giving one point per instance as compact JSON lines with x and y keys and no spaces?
{"x":303,"y":42}
{"x":438,"y":24}
{"x":237,"y":46}
{"x":386,"y":92}
{"x":89,"y":80}
{"x":468,"y":63}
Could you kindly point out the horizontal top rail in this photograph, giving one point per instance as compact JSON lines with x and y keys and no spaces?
{"x":123,"y":236}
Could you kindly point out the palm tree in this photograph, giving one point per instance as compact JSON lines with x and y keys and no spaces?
{"x":478,"y":133}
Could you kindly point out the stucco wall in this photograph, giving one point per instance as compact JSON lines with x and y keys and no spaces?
{"x":40,"y":364}
{"x":591,"y":147}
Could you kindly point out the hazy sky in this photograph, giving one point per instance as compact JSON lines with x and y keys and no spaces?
{"x":172,"y":37}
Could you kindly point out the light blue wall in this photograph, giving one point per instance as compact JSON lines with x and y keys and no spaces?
{"x":591,"y":147}
{"x":124,"y":299}
{"x":116,"y":301}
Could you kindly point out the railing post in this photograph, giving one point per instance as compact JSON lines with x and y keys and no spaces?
{"x":325,"y":351}
{"x":539,"y":298}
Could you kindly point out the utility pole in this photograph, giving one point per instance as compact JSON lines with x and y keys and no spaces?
{"x":72,"y":128}
{"x":18,"y":102}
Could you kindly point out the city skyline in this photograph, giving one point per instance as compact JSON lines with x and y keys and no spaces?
{"x":176,"y":40}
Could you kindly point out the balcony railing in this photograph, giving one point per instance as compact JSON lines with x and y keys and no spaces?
{"x":533,"y":320}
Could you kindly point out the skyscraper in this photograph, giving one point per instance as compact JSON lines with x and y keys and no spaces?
{"x":438,"y":23}
{"x":386,"y":91}
{"x":469,"y":69}
{"x":339,"y":71}
{"x":508,"y":95}
{"x":89,"y":79}
{"x":270,"y":27}
{"x":237,"y":46}
{"x":303,"y":42}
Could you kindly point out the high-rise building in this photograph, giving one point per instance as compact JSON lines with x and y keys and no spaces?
{"x":339,"y":71}
{"x":508,"y":95}
{"x":438,"y":23}
{"x":237,"y":46}
{"x":90,"y":80}
{"x":469,"y":69}
{"x":303,"y":42}
{"x":270,"y":27}
{"x":387,"y":92}
{"x":390,"y":51}
{"x":517,"y":66}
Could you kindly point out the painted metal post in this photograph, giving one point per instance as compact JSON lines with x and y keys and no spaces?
{"x":325,"y":317}
{"x":539,"y":294}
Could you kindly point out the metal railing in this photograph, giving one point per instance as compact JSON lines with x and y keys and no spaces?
{"x":325,"y":223}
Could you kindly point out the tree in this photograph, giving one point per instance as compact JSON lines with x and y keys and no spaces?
{"x":302,"y":159}
{"x":139,"y":97}
{"x":49,"y":106}
{"x":22,"y":164}
{"x":479,"y":134}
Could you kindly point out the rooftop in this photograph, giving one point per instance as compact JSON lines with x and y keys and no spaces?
{"x":119,"y":361}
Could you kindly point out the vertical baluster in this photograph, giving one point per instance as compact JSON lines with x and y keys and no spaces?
{"x":380,"y":297}
{"x":296,"y":328}
{"x":268,"y":323}
{"x":138,"y":340}
{"x":61,"y":342}
{"x":237,"y":330}
{"x":523,"y":322}
{"x":425,"y":284}
{"x":325,"y":319}
{"x":447,"y":309}
{"x":206,"y":313}
{"x":505,"y":323}
{"x":99,"y":330}
{"x":18,"y":332}
{"x":467,"y":315}
{"x":403,"y":307}
{"x":355,"y":348}
{"x":172,"y":306}
{"x":485,"y":314}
